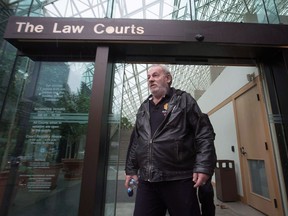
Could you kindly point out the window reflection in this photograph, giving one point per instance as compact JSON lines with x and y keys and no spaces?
{"x":43,"y":146}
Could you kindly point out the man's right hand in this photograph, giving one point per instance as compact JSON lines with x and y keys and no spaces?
{"x":127,"y":179}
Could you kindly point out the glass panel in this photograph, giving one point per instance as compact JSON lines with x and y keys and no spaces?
{"x":136,"y":88}
{"x":153,"y":9}
{"x":7,"y":58}
{"x":115,"y":162}
{"x":272,"y":13}
{"x":254,"y":11}
{"x":198,"y":80}
{"x":258,"y":177}
{"x":43,"y":137}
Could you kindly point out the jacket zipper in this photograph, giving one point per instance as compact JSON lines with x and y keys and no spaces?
{"x":150,"y":159}
{"x":150,"y":144}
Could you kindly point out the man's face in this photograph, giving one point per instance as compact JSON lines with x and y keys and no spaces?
{"x":158,"y":81}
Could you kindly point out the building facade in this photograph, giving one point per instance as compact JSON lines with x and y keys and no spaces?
{"x":73,"y":74}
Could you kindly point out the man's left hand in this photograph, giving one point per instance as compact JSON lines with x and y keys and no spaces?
{"x":200,"y":179}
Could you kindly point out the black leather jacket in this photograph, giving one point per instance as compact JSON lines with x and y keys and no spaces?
{"x":183,"y":143}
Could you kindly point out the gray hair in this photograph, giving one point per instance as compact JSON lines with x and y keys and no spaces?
{"x":165,"y":70}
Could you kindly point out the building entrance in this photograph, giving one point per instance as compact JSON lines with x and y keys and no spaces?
{"x":217,"y":90}
{"x":76,"y":101}
{"x":47,"y":134}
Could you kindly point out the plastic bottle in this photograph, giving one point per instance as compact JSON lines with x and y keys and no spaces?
{"x":132,"y":185}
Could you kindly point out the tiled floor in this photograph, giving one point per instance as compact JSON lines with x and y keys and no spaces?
{"x":64,"y":200}
{"x":235,"y":208}
{"x":222,"y":209}
{"x":125,"y":205}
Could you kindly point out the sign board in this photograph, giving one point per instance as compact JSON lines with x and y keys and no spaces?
{"x":79,"y":37}
{"x":108,"y":30}
{"x":100,"y":29}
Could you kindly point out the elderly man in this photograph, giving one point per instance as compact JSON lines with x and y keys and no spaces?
{"x":172,"y":150}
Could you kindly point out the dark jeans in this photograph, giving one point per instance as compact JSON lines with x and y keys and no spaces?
{"x":178,"y":197}
{"x":206,"y":199}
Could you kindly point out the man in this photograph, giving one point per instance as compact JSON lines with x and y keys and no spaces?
{"x":172,"y":152}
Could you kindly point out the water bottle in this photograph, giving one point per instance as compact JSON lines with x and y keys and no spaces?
{"x":132,"y":185}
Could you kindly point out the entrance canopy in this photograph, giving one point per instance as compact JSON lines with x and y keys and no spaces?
{"x":138,"y":40}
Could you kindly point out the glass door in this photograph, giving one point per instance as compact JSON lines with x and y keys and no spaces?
{"x":217,"y":89}
{"x":43,"y":135}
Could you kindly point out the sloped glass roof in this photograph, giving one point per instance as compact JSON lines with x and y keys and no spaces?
{"x":194,"y":79}
{"x":205,"y":10}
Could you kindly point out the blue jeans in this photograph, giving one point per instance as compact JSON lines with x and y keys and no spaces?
{"x":178,"y":197}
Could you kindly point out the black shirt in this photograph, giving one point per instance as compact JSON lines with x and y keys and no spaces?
{"x":158,"y":111}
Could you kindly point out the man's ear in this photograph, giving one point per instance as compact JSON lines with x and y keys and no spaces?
{"x":169,"y":79}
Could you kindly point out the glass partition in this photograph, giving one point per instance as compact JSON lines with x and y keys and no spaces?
{"x":43,"y":136}
{"x":130,"y":89}
{"x":114,"y":145}
{"x":212,"y":87}
{"x":249,"y":11}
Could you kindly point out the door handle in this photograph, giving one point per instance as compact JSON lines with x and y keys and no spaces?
{"x":243,"y":152}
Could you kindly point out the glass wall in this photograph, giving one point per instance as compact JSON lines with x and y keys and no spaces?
{"x":43,"y":136}
{"x":249,"y":11}
{"x":115,"y":125}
